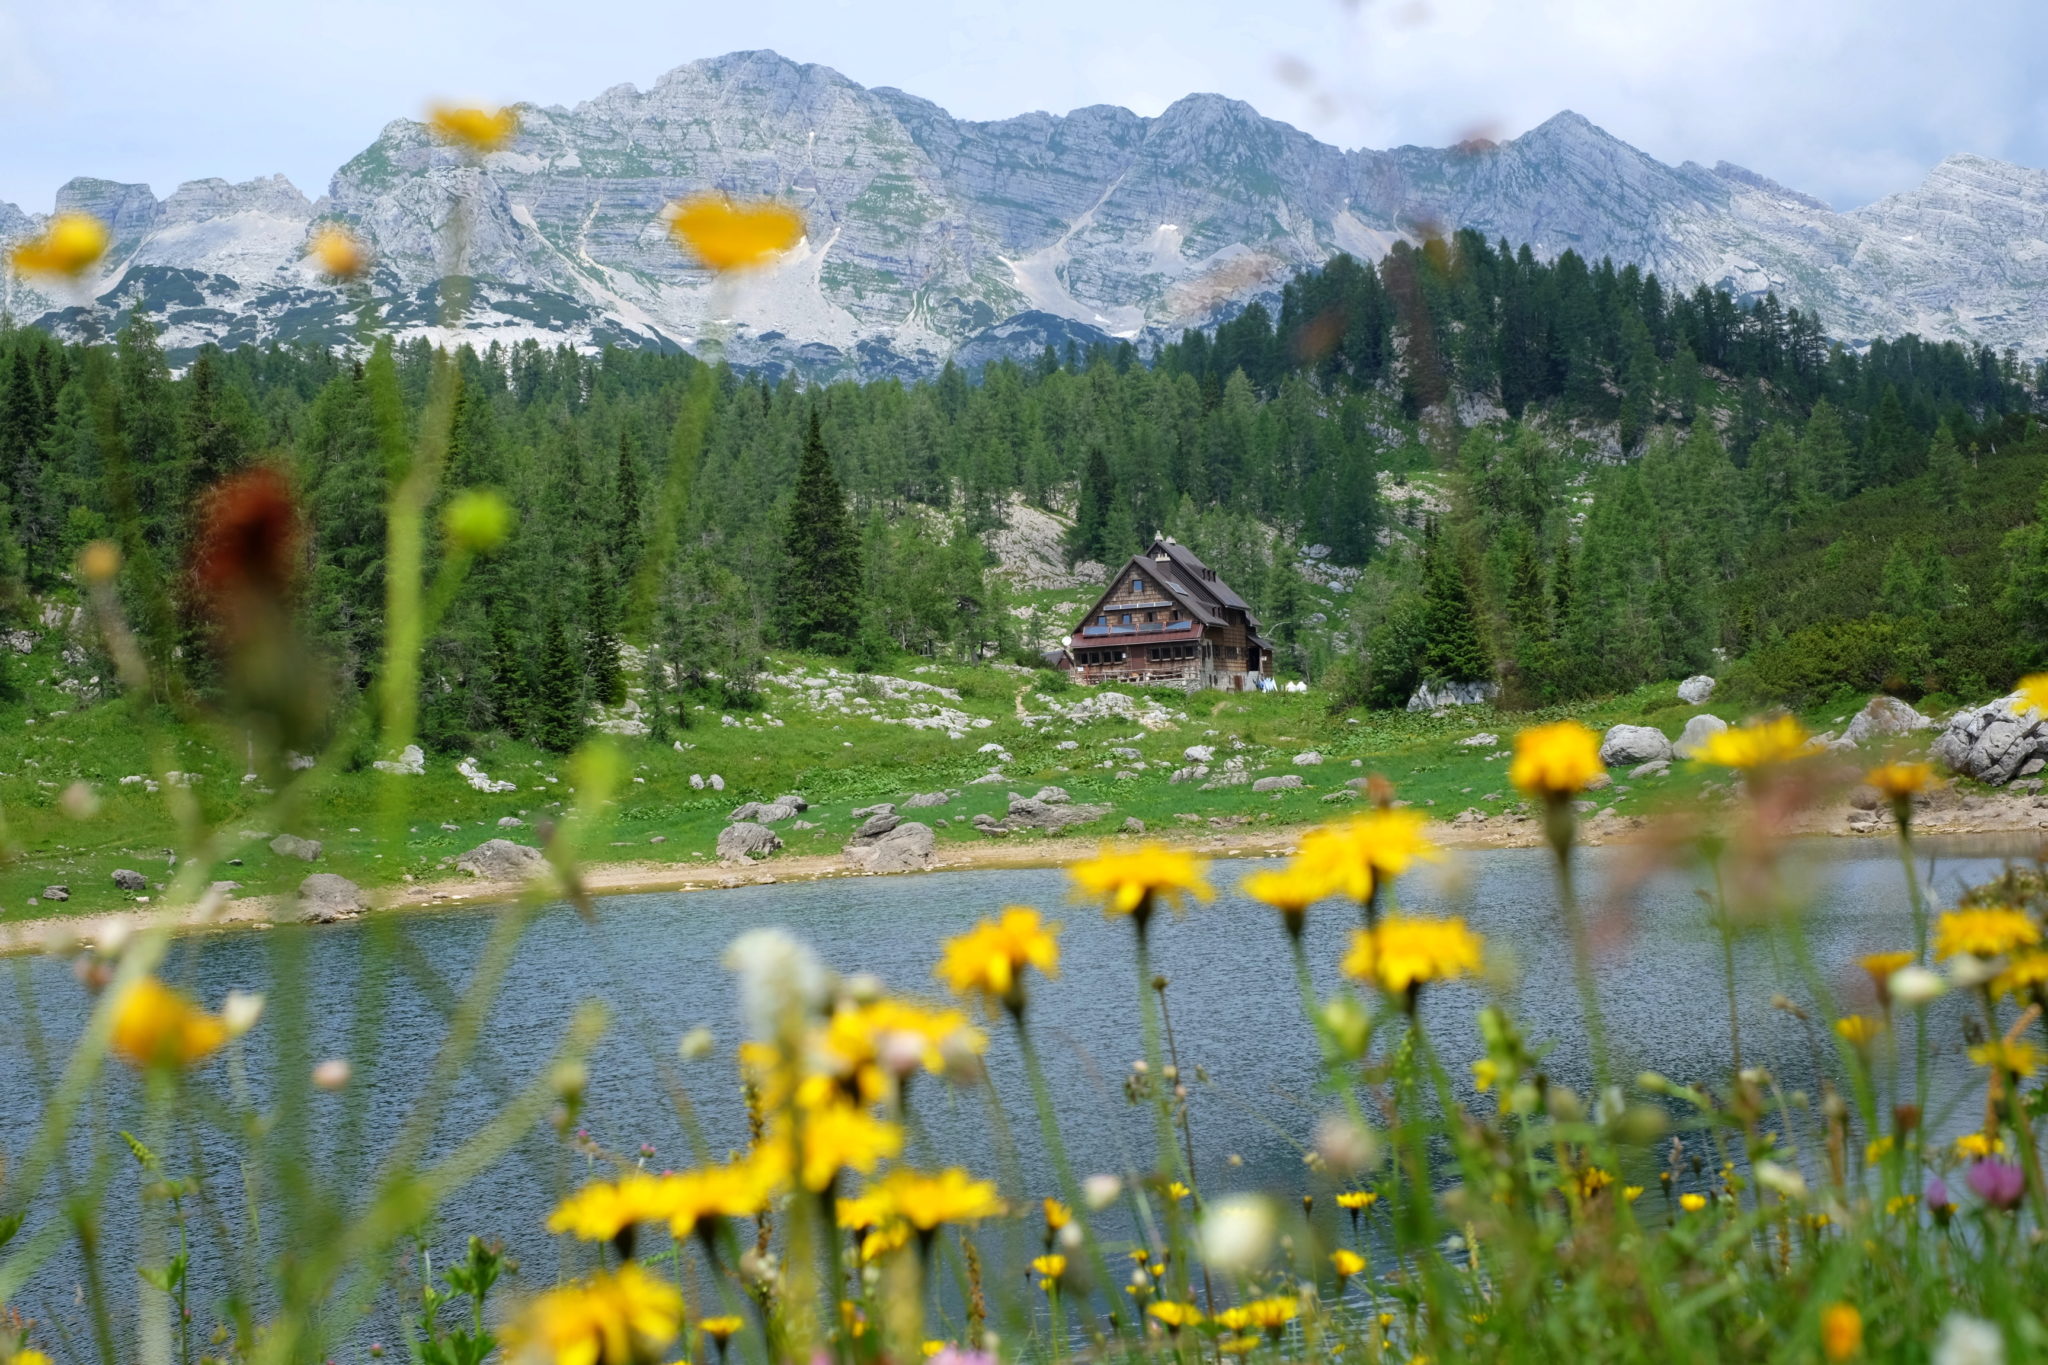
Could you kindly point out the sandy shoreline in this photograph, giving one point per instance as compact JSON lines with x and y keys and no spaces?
{"x":2021,"y":816}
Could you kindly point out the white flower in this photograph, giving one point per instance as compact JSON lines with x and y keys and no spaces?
{"x":1787,"y":1182}
{"x":1967,"y":970}
{"x":1968,"y":1341}
{"x":1345,"y":1145}
{"x":1237,"y":1233}
{"x":1101,"y":1191}
{"x":240,"y":1011}
{"x":780,"y":977}
{"x":1914,"y":986}
{"x":696,"y":1045}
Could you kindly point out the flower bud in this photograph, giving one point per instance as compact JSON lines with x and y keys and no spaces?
{"x":477,"y":520}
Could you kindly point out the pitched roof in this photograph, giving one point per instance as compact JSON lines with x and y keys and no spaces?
{"x":1192,"y":583}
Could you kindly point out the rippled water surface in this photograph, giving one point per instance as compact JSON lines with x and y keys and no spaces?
{"x":655,"y":961}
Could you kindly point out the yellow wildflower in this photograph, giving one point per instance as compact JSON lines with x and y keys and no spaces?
{"x":1356,"y":1200}
{"x":1757,"y":744}
{"x":1236,"y":1346}
{"x":1347,"y":1262}
{"x":69,"y":245}
{"x":600,"y":1211}
{"x":1979,"y":1145}
{"x":1858,"y":1030}
{"x":1556,"y":761}
{"x":1900,"y":1203}
{"x":2016,"y":1055}
{"x":159,"y":1025}
{"x":1057,"y":1215}
{"x":1129,"y":883}
{"x":932,"y":1348}
{"x":727,"y":235}
{"x":1486,"y":1074}
{"x":951,"y":1196}
{"x":475,"y":130}
{"x":840,"y":1136}
{"x":1878,"y":1148}
{"x":29,"y":1356}
{"x":1049,"y":1267}
{"x":722,"y":1328}
{"x":1176,"y":1190}
{"x":859,"y":1036}
{"x":1291,"y":890}
{"x":1631,"y":1192}
{"x":1353,"y":856}
{"x":1879,"y":968}
{"x":2028,"y":972}
{"x":339,"y":253}
{"x":989,"y":960}
{"x":612,"y":1317}
{"x":1402,"y":952}
{"x":1901,"y":781}
{"x":859,"y":1212}
{"x":1271,"y":1315}
{"x":1175,"y":1315}
{"x":1841,"y":1331}
{"x":1692,"y":1203}
{"x":1984,"y":931}
{"x":2033,"y":694}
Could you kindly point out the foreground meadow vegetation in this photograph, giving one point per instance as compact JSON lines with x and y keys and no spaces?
{"x":1648,"y":1218}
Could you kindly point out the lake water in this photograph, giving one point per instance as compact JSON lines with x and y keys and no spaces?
{"x":655,"y":961}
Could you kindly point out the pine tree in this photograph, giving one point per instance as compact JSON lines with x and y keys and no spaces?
{"x":558,"y":699}
{"x":818,"y":603}
{"x":1945,"y":464}
{"x":1085,"y":540}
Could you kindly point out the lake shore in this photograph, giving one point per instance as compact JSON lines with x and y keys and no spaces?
{"x":2021,"y":818}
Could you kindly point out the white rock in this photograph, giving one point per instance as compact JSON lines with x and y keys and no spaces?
{"x":411,"y":762}
{"x":1696,"y":689}
{"x":1694,"y":735}
{"x":1626,"y":746}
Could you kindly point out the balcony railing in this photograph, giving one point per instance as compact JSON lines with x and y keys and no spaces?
{"x":1142,"y":628}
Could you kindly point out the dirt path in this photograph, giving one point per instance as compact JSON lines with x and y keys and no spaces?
{"x":2022,"y":817}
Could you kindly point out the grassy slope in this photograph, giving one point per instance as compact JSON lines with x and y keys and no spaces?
{"x":839,"y":760}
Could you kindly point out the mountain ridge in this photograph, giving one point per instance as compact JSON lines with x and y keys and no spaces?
{"x":934,"y":237}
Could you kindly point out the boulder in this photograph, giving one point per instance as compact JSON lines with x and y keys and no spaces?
{"x":1654,"y":768}
{"x":411,"y":762}
{"x":1307,"y":760}
{"x":224,"y":890}
{"x":1695,"y":690}
{"x":875,"y":826}
{"x":1629,"y":746}
{"x":1284,"y":782}
{"x":1483,"y":740}
{"x":1053,"y":796}
{"x":765,"y":812}
{"x":1883,"y":717}
{"x":56,"y":893}
{"x":128,"y":879}
{"x":1133,"y":825}
{"x":326,"y":897}
{"x":922,"y":800}
{"x":796,"y":801}
{"x":905,"y":847}
{"x":1199,"y":753}
{"x":501,"y":860}
{"x":745,"y":840}
{"x":504,"y":822}
{"x":880,"y":808}
{"x":1994,"y":743}
{"x":717,"y":783}
{"x":1030,"y":813}
{"x":1435,"y":696}
{"x":1695,"y":733}
{"x":292,"y":846}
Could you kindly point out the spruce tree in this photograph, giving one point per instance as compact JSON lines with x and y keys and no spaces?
{"x":1091,"y":511}
{"x":558,"y":697}
{"x":1945,"y":464}
{"x":819,"y":590}
{"x":1453,"y":652}
{"x":601,"y":636}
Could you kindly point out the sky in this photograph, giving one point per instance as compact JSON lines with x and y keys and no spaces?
{"x":1844,"y":99}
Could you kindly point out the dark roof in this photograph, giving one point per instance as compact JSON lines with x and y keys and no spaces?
{"x":1193,"y":584}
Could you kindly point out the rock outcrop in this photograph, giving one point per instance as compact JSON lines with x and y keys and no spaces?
{"x":1284,"y":782}
{"x":1995,"y":743}
{"x":1695,"y":734}
{"x":326,"y":897}
{"x":745,"y":841}
{"x":1436,"y":696}
{"x":1695,"y":690}
{"x":903,"y":847}
{"x":128,"y":879}
{"x":292,"y":846}
{"x":1884,"y":718}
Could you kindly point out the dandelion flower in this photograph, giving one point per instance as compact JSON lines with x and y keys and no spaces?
{"x":1556,"y":761}
{"x":1291,"y":890}
{"x":473,"y":130}
{"x":859,"y":1212}
{"x":1900,"y":782}
{"x":1128,"y":883}
{"x":725,"y":234}
{"x":1692,"y":1203}
{"x":1347,"y":1262}
{"x":2016,"y":1055}
{"x":1757,"y":744}
{"x":69,"y":245}
{"x":1984,"y":931}
{"x":838,"y":1136}
{"x":1841,"y":1331}
{"x":1858,"y":1030}
{"x":950,"y":1196}
{"x":613,"y":1316}
{"x":1979,"y":1145}
{"x":159,"y":1025}
{"x":1174,"y":1315}
{"x":1057,"y":1215}
{"x":602,"y":1210}
{"x":1403,"y":952}
{"x":1353,"y":857}
{"x":2028,"y":972}
{"x":2032,"y":696}
{"x":990,"y":959}
{"x":1879,"y":968}
{"x":1356,"y":1201}
{"x":721,"y":1329}
{"x":1271,"y":1315}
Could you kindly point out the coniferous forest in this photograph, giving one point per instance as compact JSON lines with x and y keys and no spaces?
{"x":1559,"y":476}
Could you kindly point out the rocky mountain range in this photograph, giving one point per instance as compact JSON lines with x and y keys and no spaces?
{"x":933,"y":237}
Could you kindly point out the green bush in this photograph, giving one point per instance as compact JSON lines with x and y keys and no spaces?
{"x":1874,"y":654}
